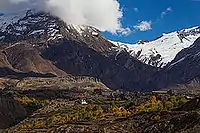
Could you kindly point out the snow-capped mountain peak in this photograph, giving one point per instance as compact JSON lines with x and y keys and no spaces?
{"x":32,"y":23}
{"x":164,"y":49}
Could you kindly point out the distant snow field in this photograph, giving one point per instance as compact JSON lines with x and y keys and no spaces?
{"x":162,"y":50}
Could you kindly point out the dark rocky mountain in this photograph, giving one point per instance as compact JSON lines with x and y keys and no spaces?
{"x":41,"y":44}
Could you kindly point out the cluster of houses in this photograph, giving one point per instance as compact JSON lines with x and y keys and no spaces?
{"x":130,"y":96}
{"x":115,"y":95}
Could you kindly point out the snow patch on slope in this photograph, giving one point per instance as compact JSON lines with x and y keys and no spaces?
{"x":37,"y":32}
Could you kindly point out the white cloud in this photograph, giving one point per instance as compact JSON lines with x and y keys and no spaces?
{"x":144,"y":26}
{"x":124,"y":31}
{"x":102,"y":14}
{"x":136,"y":9}
{"x":168,"y":10}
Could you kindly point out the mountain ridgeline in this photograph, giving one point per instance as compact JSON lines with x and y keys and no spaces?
{"x":36,"y":44}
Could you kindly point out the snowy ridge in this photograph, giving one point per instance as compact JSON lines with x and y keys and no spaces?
{"x":31,"y":23}
{"x":163,"y":50}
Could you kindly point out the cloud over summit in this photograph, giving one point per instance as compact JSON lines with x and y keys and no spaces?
{"x":102,"y":14}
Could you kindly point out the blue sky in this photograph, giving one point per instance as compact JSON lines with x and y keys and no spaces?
{"x":165,"y":16}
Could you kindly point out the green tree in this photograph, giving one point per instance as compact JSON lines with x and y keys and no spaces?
{"x":168,"y":105}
